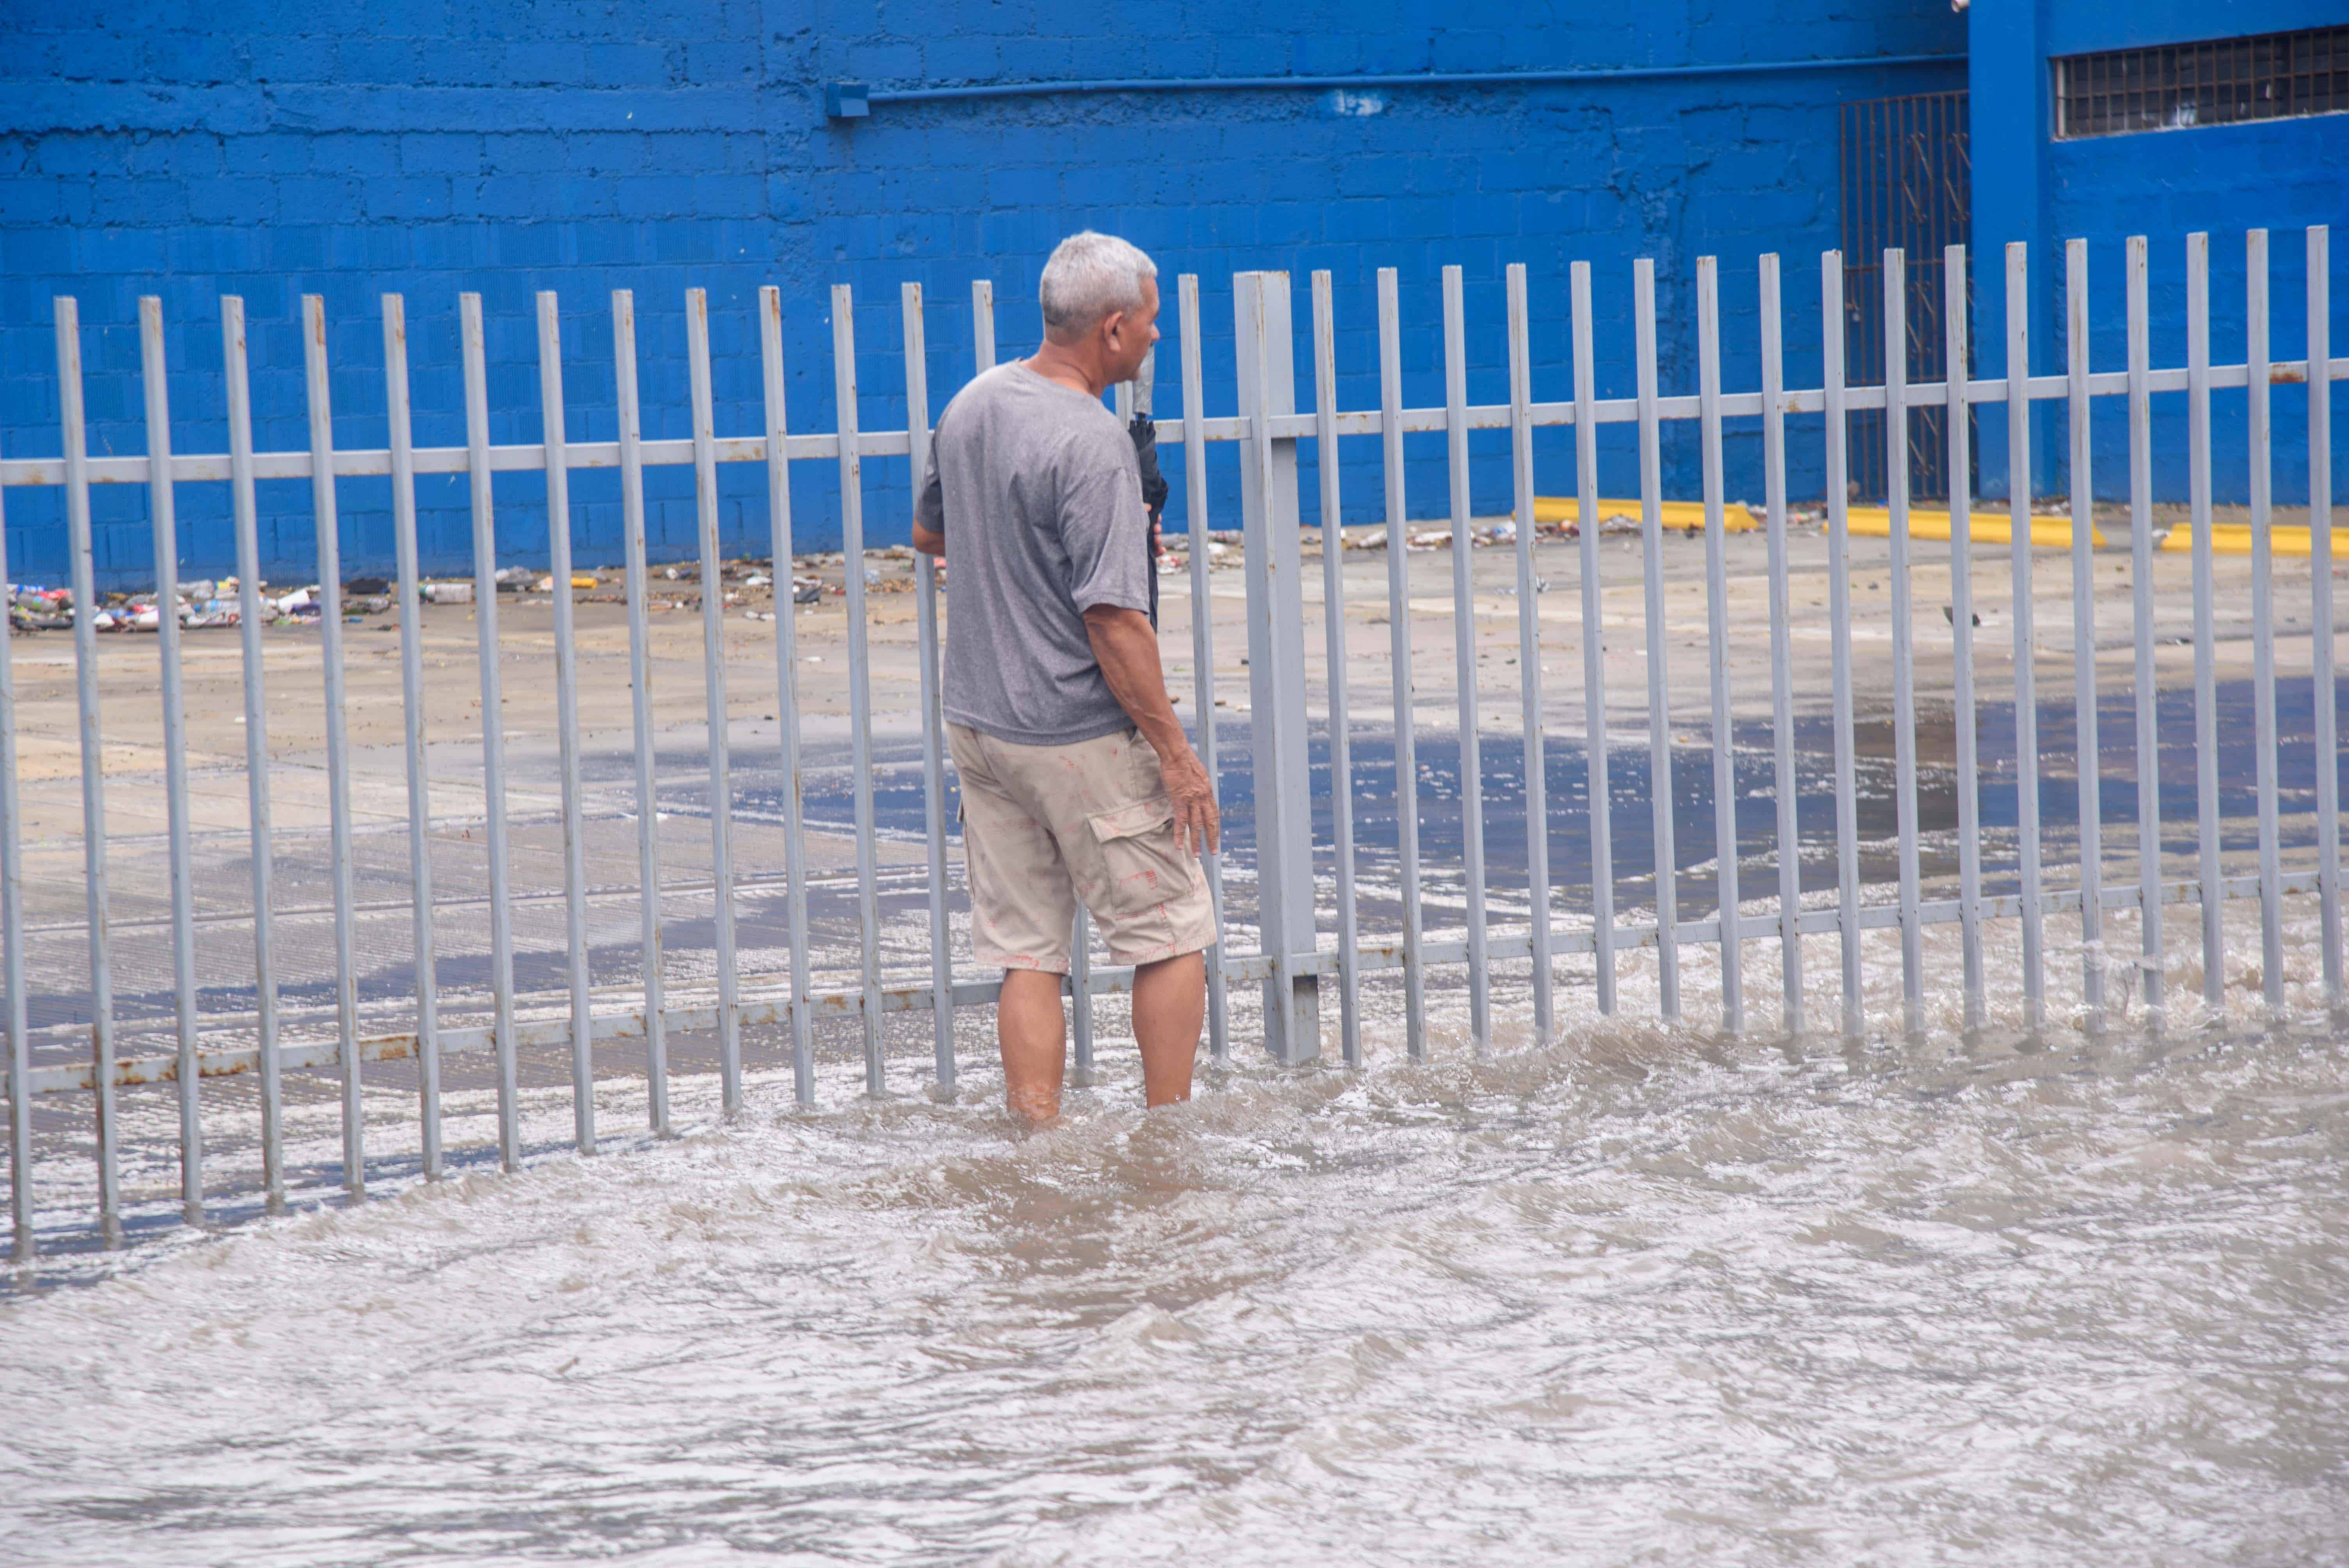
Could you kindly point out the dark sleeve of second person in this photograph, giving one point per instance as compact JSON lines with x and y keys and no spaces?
{"x":1102,"y":526}
{"x":930,"y":505}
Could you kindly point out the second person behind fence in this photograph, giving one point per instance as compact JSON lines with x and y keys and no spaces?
{"x":1077,"y":782}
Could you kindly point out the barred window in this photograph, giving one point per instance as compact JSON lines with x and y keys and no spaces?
{"x":2275,"y":75}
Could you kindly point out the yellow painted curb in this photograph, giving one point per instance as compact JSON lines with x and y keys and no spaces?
{"x":2235,"y":539}
{"x":1989,"y":528}
{"x":1734,"y":519}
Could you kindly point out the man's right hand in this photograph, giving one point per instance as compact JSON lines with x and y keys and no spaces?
{"x":1198,"y":824}
{"x":1127,"y":647}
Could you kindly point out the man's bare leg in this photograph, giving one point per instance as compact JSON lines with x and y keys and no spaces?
{"x":1028,"y":1028}
{"x":1170,"y":1003}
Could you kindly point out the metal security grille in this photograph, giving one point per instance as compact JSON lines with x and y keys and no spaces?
{"x":1907,"y":187}
{"x":2275,"y":75}
{"x":1613,"y":916}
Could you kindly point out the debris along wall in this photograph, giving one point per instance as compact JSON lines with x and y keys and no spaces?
{"x":272,"y":150}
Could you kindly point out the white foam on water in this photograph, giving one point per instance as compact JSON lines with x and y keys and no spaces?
{"x":1643,"y":1296}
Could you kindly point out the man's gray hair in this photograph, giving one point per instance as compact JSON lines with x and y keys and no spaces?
{"x":1089,"y":277}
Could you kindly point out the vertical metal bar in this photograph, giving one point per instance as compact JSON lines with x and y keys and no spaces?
{"x":1406,"y":722}
{"x":787,"y":702}
{"x":2263,"y":694}
{"x":1194,"y":489}
{"x":1080,"y":1000}
{"x":1203,"y":616}
{"x":2148,"y":712}
{"x":851,"y":545}
{"x":1081,"y":927}
{"x":1782,"y":653}
{"x":163,"y":516}
{"x":2025,"y":629}
{"x":566,"y":720}
{"x":412,"y":697}
{"x":1834,"y":346}
{"x":713,"y":664}
{"x":982,"y":325}
{"x":1081,"y":951}
{"x":1716,"y":605}
{"x":2206,"y":653}
{"x":93,"y":762}
{"x":1904,"y":658}
{"x":1464,"y":623}
{"x":1593,"y":656}
{"x":1529,"y":653}
{"x":2089,"y":750}
{"x":1659,"y":701}
{"x":339,"y":750}
{"x":256,"y":743}
{"x":493,"y":726}
{"x":1269,"y":517}
{"x":12,"y":938}
{"x":934,"y":735}
{"x":1956,"y":356}
{"x":1333,"y":618}
{"x":632,"y":545}
{"x":2320,"y":534}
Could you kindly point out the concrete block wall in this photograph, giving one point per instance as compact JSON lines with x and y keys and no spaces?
{"x":2222,"y":180}
{"x":425,"y":148}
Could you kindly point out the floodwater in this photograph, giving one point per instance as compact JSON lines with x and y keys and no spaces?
{"x":1641,"y":1297}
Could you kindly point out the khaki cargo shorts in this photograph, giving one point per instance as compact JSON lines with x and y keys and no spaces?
{"x":1044,"y":826}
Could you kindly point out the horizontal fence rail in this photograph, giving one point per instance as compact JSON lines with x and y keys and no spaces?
{"x":1291,"y":959}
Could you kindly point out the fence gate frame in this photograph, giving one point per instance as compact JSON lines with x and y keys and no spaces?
{"x":1908,"y":185}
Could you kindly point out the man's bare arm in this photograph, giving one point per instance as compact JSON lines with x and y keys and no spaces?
{"x":929,"y":543}
{"x":1128,"y":651}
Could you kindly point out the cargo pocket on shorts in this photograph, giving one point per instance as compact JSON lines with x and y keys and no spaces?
{"x":1146,"y":870}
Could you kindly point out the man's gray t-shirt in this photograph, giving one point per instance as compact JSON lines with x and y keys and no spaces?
{"x":1035,"y":487}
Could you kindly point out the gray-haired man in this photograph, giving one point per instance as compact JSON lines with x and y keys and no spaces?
{"x":1077,"y":782}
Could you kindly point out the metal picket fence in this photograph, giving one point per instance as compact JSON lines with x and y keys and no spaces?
{"x":1291,"y":961}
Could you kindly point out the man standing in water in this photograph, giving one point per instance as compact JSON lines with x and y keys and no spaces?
{"x":1077,"y":782}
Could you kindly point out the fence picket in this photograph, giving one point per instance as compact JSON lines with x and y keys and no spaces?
{"x":787,"y":707}
{"x":2206,"y":661}
{"x":1716,"y":628}
{"x":1846,"y":787}
{"x":162,"y":515}
{"x":1406,"y":721}
{"x":1333,"y":620}
{"x":1664,"y":857}
{"x":2089,"y":756}
{"x":566,"y":722}
{"x":1904,"y":658}
{"x":1958,"y":357}
{"x":1782,"y":658}
{"x":259,"y":835}
{"x":713,"y":663}
{"x":2148,"y":719}
{"x":1529,"y":654}
{"x":2320,"y":533}
{"x":412,"y":699}
{"x":1464,"y":645}
{"x":1594,"y":655}
{"x":2025,"y":631}
{"x":2264,"y":695}
{"x":860,"y":673}
{"x":494,"y":732}
{"x":640,"y":704}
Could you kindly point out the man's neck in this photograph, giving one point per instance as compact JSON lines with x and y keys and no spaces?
{"x":1054,"y":363}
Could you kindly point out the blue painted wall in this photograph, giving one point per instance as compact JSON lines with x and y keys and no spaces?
{"x":428,"y":147}
{"x":2223,"y":180}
